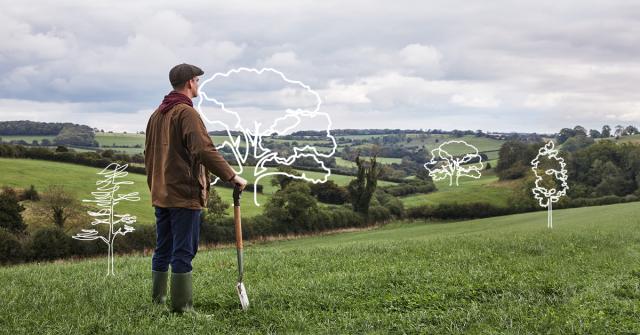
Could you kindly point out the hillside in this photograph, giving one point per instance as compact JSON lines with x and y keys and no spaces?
{"x":500,"y":275}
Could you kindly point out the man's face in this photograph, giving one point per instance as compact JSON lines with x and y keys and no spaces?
{"x":194,"y":83}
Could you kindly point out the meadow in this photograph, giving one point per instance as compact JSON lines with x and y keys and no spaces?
{"x":507,"y":275}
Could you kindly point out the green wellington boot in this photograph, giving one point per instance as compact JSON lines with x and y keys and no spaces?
{"x":159,"y":281}
{"x":181,"y":292}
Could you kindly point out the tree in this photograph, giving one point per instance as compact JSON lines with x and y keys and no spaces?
{"x":10,"y":209}
{"x":57,"y":205}
{"x":293,"y":208}
{"x":565,"y":134}
{"x":619,"y":131}
{"x":363,"y":187}
{"x":576,"y":143}
{"x":32,"y":194}
{"x":594,"y":133}
{"x":282,"y":180}
{"x":549,"y":190}
{"x":216,"y":207}
{"x":330,"y":193}
{"x":245,"y":139}
{"x":444,"y":165}
{"x":106,"y":199}
{"x":630,"y":130}
{"x":580,"y":131}
{"x":606,"y":131}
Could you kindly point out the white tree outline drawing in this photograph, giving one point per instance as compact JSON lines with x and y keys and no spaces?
{"x":546,"y":197}
{"x":105,"y":198}
{"x":253,"y":137}
{"x":443,"y":165}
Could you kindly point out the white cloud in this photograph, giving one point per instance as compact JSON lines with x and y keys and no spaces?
{"x":576,"y":61}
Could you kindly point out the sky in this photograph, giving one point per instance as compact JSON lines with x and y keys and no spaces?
{"x":525,"y":66}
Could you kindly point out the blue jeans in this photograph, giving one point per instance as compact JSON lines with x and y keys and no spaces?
{"x":177,"y":236}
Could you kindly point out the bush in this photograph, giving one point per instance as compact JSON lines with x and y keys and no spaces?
{"x":451,"y":211}
{"x":31,"y":194}
{"x":379,"y":214}
{"x":406,"y":188}
{"x":143,"y":237}
{"x":217,"y":231}
{"x":518,"y":170}
{"x":329,"y":192}
{"x":601,"y":201}
{"x":344,"y":217}
{"x":10,"y":248}
{"x":10,"y":209}
{"x":50,"y":243}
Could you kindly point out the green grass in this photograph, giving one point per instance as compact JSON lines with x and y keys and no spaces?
{"x":120,"y":139}
{"x":505,"y":275}
{"x":26,"y":138}
{"x":341,"y":180}
{"x":385,"y":160}
{"x":80,"y":181}
{"x":485,"y":189}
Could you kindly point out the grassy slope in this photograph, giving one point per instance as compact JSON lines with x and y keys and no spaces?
{"x":486,"y":189}
{"x":500,"y":275}
{"x":80,"y":180}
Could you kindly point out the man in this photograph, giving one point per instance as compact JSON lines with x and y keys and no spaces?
{"x":178,"y":156}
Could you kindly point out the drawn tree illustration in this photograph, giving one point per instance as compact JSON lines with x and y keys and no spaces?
{"x":106,"y":198}
{"x":249,"y":144}
{"x":445,"y":165}
{"x":551,"y":178}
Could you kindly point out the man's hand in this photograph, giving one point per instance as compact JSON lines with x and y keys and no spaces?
{"x":237,"y":180}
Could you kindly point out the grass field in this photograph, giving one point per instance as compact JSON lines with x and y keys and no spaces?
{"x":486,"y":189}
{"x":80,"y":181}
{"x":28,"y":139}
{"x":505,"y":275}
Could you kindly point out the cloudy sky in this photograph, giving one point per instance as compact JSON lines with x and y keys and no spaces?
{"x":496,"y":66}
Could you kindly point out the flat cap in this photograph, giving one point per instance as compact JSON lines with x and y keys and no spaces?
{"x":184,"y":72}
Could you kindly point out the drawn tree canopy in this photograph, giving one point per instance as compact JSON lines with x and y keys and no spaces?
{"x":445,"y":164}
{"x":106,"y":198}
{"x":252,"y":104}
{"x":551,"y":178}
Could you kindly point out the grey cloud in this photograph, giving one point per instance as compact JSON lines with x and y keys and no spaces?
{"x":490,"y":63}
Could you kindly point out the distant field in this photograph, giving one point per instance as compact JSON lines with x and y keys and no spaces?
{"x":269,"y":189}
{"x":28,"y":139}
{"x":485,"y":189}
{"x":118,"y":139}
{"x":385,"y":160}
{"x":344,"y":163}
{"x":628,"y":139}
{"x":80,"y":181}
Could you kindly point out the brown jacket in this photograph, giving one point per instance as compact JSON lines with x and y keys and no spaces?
{"x":178,"y":153}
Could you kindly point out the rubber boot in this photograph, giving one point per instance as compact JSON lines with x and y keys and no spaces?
{"x":159,"y":281}
{"x":181,"y":292}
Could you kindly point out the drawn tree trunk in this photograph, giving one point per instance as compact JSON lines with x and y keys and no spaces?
{"x":106,"y":199}
{"x":251,"y":133}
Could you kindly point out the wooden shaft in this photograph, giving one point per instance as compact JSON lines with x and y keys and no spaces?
{"x":238,"y":224}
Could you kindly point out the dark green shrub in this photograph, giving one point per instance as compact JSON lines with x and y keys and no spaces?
{"x":31,"y":194}
{"x":379,"y":214}
{"x":10,"y":248}
{"x":10,"y":210}
{"x":50,"y":243}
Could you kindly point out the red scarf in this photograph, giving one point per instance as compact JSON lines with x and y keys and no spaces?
{"x":172,"y":99}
